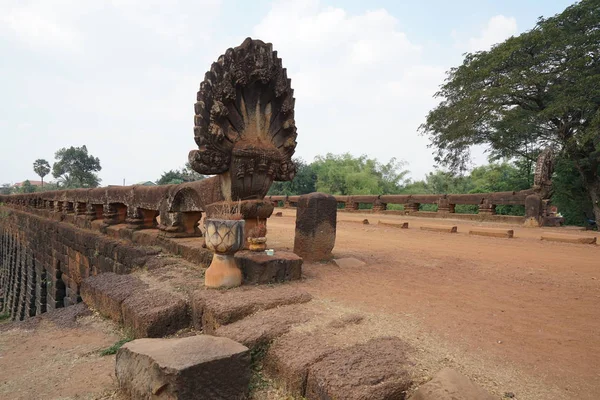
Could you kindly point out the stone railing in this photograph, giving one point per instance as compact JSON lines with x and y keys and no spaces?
{"x":174,"y":209}
{"x":535,"y":207}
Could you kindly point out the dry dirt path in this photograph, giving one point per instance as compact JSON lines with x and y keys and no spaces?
{"x":519,"y":314}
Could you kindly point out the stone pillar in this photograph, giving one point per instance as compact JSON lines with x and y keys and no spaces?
{"x":139,"y":218}
{"x":533,"y":210}
{"x":411,"y":207}
{"x":379,"y":207}
{"x":350,"y":206}
{"x":316,"y":220}
{"x":486,"y":208}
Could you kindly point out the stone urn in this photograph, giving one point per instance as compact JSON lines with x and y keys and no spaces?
{"x":224,"y":237}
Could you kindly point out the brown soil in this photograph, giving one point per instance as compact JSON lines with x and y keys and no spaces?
{"x":58,"y":357}
{"x":517,"y":315}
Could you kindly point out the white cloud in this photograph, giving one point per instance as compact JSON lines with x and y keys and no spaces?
{"x":41,"y":23}
{"x":360,"y":83}
{"x":497,"y":29}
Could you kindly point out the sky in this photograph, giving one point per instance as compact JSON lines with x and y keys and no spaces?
{"x":121,"y":76}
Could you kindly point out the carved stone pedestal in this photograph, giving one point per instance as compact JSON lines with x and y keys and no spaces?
{"x":260,"y":268}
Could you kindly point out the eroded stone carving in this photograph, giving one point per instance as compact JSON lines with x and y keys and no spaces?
{"x":244,"y":122}
{"x":544,"y":168}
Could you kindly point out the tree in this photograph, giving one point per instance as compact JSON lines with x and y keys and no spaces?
{"x":303,"y":183}
{"x":539,"y":89}
{"x":42,"y":168}
{"x":76,"y":168}
{"x":345,"y":175}
{"x":177,"y":176}
{"x":27,"y":187}
{"x":5,"y":189}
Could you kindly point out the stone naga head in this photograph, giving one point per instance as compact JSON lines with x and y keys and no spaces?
{"x":244,"y":122}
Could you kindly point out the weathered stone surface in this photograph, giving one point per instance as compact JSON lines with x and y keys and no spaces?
{"x":258,"y":267}
{"x":401,"y":225}
{"x":377,"y":369}
{"x":349,"y":262}
{"x":290,"y":356}
{"x":493,"y":232}
{"x":533,"y":210}
{"x":316,"y":219}
{"x":264,"y":326}
{"x":440,"y":228}
{"x":553,"y":237}
{"x":450,"y":385}
{"x":154,"y":313}
{"x":196,"y":367}
{"x":212,"y":309}
{"x":106,"y":292}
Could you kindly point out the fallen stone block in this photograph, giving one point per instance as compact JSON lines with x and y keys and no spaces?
{"x":349,"y":262}
{"x":264,"y":326}
{"x":290,"y":356}
{"x":551,"y":237}
{"x":212,"y":309}
{"x":258,"y":267}
{"x":449,"y":385}
{"x":440,"y":228}
{"x":493,"y":232}
{"x":154,"y":313}
{"x":377,"y":369}
{"x":194,"y":367}
{"x":401,"y":225}
{"x":106,"y":292}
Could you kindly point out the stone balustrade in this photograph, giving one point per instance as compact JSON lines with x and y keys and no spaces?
{"x":446,"y":204}
{"x":174,"y":209}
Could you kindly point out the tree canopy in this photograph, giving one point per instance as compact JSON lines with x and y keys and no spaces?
{"x":177,"y":176}
{"x":42,"y":168}
{"x":75,"y":168}
{"x":538,"y":89}
{"x":344,"y":174}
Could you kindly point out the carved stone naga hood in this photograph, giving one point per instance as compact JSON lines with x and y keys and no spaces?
{"x":244,"y":122}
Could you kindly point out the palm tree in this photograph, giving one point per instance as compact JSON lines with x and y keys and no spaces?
{"x":42,"y":168}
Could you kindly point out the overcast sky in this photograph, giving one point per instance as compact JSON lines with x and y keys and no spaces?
{"x":121,"y":76}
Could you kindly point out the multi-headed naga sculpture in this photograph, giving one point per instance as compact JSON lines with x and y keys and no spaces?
{"x":244,"y":123}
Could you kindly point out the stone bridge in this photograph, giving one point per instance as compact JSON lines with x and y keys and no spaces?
{"x":59,"y":248}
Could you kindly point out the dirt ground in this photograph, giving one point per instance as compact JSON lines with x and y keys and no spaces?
{"x":519,"y":316}
{"x":58,"y":357}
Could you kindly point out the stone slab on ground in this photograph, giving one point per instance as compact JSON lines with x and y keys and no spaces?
{"x":289,"y":357}
{"x":448,"y":384}
{"x":349,"y":262}
{"x":261,"y":328}
{"x":106,"y":292}
{"x":214,"y":308}
{"x":440,"y":228}
{"x":377,"y":369}
{"x":258,"y":267}
{"x":493,"y":232}
{"x":193,"y":367}
{"x":155,"y":313}
{"x":401,"y":225}
{"x":554,"y":237}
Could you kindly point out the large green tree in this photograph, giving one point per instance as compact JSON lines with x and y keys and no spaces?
{"x":177,"y":176}
{"x":42,"y":168}
{"x":75,"y":168}
{"x":345,"y":174}
{"x":538,"y":89}
{"x":303,"y":183}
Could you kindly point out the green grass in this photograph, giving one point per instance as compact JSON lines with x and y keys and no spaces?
{"x":5,"y":316}
{"x":113,"y":349}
